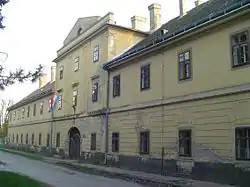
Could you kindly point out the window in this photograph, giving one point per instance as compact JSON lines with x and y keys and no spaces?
{"x":13,"y":138}
{"x":184,"y":65}
{"x":116,"y":86}
{"x":79,"y":31}
{"x":96,"y":53}
{"x":61,"y":73}
{"x":145,"y":77}
{"x":144,"y":142}
{"x":34,"y":110}
{"x":17,"y":138}
{"x":48,"y":140}
{"x":50,"y":105}
{"x":115,"y":141}
{"x":23,"y":112}
{"x":27,"y":139}
{"x":10,"y":117}
{"x":185,"y":143}
{"x":74,"y":98}
{"x":94,"y":91}
{"x":41,"y":108}
{"x":58,"y":139}
{"x":28,"y":112}
{"x":14,"y":117}
{"x":242,"y":143}
{"x":21,"y":138}
{"x":40,"y":139}
{"x":240,"y":49}
{"x":93,"y":141}
{"x":59,"y":106}
{"x":32,"y":139}
{"x":76,"y":64}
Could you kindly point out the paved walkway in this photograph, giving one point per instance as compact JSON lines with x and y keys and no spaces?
{"x":148,"y":176}
{"x":180,"y":182}
{"x":55,"y":175}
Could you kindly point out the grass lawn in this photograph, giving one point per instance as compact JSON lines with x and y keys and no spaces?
{"x":9,"y":179}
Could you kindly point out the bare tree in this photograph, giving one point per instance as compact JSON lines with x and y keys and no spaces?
{"x":4,"y":115}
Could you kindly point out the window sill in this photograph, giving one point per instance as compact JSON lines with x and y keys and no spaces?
{"x":185,"y":80}
{"x":240,"y":66}
{"x":145,"y":89}
{"x":143,"y":153}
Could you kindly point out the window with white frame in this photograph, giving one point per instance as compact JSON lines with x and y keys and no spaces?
{"x":76,"y":64}
{"x":96,"y":53}
{"x":61,"y":73}
{"x":95,"y":91}
{"x":59,"y":106}
{"x":50,"y":104}
{"x":240,"y":49}
{"x":41,"y":108}
{"x":75,"y":92}
{"x":23,"y":112}
{"x":28,"y":112}
{"x":184,"y":59}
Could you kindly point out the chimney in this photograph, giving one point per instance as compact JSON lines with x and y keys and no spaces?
{"x":53,"y":73}
{"x":42,"y":80}
{"x":155,"y":16}
{"x":138,"y":23}
{"x":183,"y":7}
{"x":197,"y":2}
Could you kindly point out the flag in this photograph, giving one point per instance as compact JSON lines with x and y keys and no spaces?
{"x":54,"y":101}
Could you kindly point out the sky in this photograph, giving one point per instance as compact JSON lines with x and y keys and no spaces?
{"x":35,"y":29}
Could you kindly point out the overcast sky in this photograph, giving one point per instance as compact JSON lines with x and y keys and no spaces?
{"x":35,"y":29}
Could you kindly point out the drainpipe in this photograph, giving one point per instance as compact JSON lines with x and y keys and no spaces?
{"x":106,"y":119}
{"x":51,"y":130}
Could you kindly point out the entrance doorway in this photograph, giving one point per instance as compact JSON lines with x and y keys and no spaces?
{"x":74,"y":143}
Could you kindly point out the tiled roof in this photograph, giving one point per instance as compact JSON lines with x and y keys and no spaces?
{"x":196,"y":17}
{"x":35,"y":95}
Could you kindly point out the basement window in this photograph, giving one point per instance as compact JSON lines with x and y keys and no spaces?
{"x":93,"y":142}
{"x":115,"y":142}
{"x":185,"y":142}
{"x":144,"y":142}
{"x":40,"y":139}
{"x":242,"y":143}
{"x":33,"y":139}
{"x":21,"y":138}
{"x":27,"y":139}
{"x":58,"y":139}
{"x":48,"y":140}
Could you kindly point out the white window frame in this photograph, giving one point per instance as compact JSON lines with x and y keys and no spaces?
{"x":96,"y":53}
{"x":76,"y":64}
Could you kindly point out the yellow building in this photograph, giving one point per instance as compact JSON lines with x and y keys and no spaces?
{"x":179,"y":100}
{"x":30,"y":119}
{"x":77,"y":124}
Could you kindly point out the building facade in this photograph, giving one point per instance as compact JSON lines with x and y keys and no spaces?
{"x":182,"y":103}
{"x":77,"y":125}
{"x":30,"y":119}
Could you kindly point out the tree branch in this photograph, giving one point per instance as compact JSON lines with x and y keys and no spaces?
{"x":18,"y":76}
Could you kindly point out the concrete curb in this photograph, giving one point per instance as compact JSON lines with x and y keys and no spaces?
{"x":124,"y":176}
